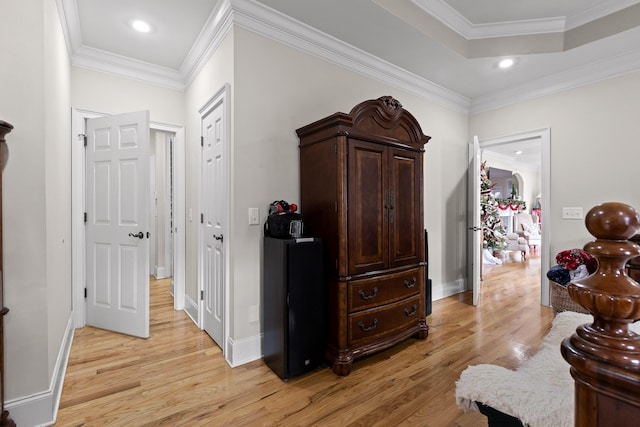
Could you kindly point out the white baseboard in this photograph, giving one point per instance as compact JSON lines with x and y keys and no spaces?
{"x":191,"y":308}
{"x":41,"y":409}
{"x":443,"y":290}
{"x":244,"y":351}
{"x":161,"y":273}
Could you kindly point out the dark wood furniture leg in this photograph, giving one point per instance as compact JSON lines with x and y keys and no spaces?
{"x":5,"y":420}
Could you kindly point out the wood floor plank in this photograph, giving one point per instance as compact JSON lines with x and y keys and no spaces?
{"x":179,"y":377}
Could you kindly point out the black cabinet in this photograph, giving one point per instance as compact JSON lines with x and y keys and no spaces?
{"x":293,"y":305}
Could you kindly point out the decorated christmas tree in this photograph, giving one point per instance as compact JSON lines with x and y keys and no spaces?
{"x":493,"y":230}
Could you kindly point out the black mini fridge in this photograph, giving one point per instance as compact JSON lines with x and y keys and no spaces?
{"x":293,"y":305}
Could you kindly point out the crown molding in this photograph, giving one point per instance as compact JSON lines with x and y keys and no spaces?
{"x":461,"y":25}
{"x":255,"y":17}
{"x":262,"y":20}
{"x":218,"y":25}
{"x":559,"y":82}
{"x":283,"y":29}
{"x":598,"y":12}
{"x":96,"y":59}
{"x":441,"y":10}
{"x":70,"y":22}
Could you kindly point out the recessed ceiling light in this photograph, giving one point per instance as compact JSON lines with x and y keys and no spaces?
{"x":518,"y":152}
{"x":140,"y":26}
{"x":506,"y":63}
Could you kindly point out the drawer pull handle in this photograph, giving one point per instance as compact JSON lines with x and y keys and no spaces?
{"x":368,"y":328}
{"x":411,"y":313}
{"x":363,"y":296}
{"x":410,"y":284}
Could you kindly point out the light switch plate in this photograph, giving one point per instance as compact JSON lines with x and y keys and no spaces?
{"x":572,"y":213}
{"x":254,"y":216}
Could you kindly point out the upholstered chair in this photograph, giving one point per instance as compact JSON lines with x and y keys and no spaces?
{"x":517,"y":243}
{"x":527,"y":226}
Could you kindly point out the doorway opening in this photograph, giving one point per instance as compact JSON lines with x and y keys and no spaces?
{"x":177,"y":240}
{"x":161,"y":203}
{"x":538,"y":144}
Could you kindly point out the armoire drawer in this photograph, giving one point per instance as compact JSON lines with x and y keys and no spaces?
{"x":379,"y":290}
{"x":377,"y":322}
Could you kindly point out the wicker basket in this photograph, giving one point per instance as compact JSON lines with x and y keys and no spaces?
{"x":561,"y":301}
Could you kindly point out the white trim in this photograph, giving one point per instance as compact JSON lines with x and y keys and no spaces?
{"x":244,"y":351}
{"x":283,"y":29}
{"x":179,"y":221}
{"x":267,"y":22}
{"x":223,"y":96}
{"x":78,"y":263}
{"x":160,"y":272}
{"x":443,"y":290}
{"x":545,"y":142}
{"x":262,"y":20}
{"x":96,"y":59}
{"x":78,"y":117}
{"x":153,"y":242}
{"x":168,"y":214}
{"x":41,"y":409}
{"x":191,"y":308}
{"x":579,"y":76}
{"x":450,"y":17}
{"x":598,"y":11}
{"x":213,"y":33}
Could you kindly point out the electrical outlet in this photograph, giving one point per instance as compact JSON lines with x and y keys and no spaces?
{"x":572,"y":213}
{"x":254,"y":216}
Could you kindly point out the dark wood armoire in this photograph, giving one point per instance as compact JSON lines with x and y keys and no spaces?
{"x":362,"y":192}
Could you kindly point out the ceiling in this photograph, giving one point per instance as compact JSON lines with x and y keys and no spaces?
{"x":448,"y":49}
{"x":453,"y":44}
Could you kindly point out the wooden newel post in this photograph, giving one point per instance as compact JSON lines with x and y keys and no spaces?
{"x":5,"y":128}
{"x":605,"y":356}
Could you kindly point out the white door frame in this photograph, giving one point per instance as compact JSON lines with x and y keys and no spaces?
{"x":78,"y":262}
{"x":222,"y":96}
{"x":474,"y":269}
{"x":545,"y":181}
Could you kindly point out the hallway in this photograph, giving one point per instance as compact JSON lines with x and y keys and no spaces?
{"x":178,"y":376}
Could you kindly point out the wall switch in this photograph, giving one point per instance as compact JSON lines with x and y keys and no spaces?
{"x":572,"y":213}
{"x":254,"y":216}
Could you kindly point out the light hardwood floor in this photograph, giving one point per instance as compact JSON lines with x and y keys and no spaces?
{"x":178,"y":377}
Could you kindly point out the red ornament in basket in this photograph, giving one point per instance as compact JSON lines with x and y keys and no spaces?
{"x":571,"y":259}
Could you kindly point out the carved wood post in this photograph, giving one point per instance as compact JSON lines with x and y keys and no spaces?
{"x":605,"y":356}
{"x":5,"y":128}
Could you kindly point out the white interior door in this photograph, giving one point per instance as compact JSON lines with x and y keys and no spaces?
{"x":475,"y":231}
{"x":117,"y":223}
{"x":213,"y":221}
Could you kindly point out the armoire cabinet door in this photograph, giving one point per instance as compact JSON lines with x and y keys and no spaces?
{"x":368,"y":207}
{"x":405,"y":208}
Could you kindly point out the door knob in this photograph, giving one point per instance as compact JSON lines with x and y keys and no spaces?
{"x":139,"y":235}
{"x":220,"y":237}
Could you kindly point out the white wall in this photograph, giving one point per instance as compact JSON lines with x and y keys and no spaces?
{"x":594,"y":148}
{"x":36,"y":195}
{"x":57,"y":161}
{"x":107,"y":93}
{"x":277,"y":90}
{"x":214,"y":75}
